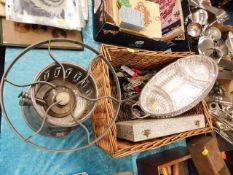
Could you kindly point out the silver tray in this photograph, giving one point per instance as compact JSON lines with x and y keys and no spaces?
{"x":179,"y":86}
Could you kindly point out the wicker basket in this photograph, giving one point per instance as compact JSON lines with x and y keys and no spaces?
{"x":105,"y":108}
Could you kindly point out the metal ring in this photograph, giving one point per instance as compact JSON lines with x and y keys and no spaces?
{"x":47,"y":42}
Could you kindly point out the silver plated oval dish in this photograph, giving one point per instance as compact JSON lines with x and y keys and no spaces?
{"x":179,"y":86}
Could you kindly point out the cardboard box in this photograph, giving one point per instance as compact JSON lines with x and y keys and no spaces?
{"x":106,"y":30}
{"x":2,"y":8}
{"x":152,"y":22}
{"x":23,"y":35}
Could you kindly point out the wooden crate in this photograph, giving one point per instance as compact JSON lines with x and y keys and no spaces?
{"x":105,"y":108}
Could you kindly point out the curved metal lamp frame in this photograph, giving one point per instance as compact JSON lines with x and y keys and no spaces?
{"x":116,"y":100}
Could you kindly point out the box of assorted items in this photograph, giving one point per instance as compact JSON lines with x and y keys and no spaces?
{"x":153,"y":25}
{"x":147,"y":119}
